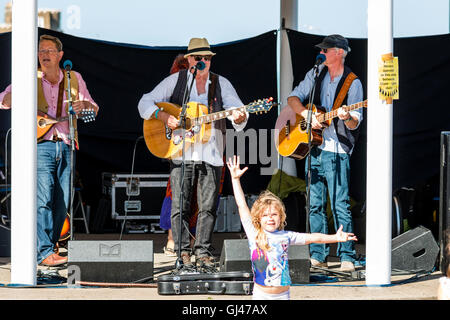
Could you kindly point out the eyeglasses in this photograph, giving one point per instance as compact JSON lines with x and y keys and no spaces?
{"x":325,"y":50}
{"x":199,"y":58}
{"x":51,"y":51}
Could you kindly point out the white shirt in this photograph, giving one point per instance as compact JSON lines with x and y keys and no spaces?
{"x":211,"y":151}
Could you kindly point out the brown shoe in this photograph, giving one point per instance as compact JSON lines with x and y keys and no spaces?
{"x":347,"y":266}
{"x":53,"y":260}
{"x":186,"y":258}
{"x":319,"y":264}
{"x":205,"y":261}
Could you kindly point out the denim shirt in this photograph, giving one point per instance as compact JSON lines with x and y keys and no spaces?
{"x":327,"y":94}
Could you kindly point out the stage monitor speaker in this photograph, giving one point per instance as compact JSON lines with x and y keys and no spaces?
{"x":121,"y":261}
{"x":444,"y":193}
{"x":414,"y":250}
{"x":5,"y":241}
{"x":235,"y":256}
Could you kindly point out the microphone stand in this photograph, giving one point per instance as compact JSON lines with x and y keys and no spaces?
{"x":72,"y":149}
{"x":182,"y":124}
{"x":308,"y":129}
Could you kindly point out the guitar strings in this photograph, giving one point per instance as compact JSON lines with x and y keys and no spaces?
{"x":333,"y":113}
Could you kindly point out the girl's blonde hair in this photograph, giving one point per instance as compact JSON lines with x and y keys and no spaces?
{"x":265,"y":200}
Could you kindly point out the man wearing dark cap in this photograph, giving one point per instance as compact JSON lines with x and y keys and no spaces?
{"x":203,"y":161}
{"x":336,"y":85}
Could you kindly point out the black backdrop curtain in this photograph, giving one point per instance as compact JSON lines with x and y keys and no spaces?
{"x":419,"y":115}
{"x":117,"y":75}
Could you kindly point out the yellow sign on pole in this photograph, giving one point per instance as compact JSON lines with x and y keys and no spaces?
{"x":388,"y":78}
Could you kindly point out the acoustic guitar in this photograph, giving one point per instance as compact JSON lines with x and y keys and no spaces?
{"x":293,"y":139}
{"x":164,"y":142}
{"x":65,"y":231}
{"x":46,"y":122}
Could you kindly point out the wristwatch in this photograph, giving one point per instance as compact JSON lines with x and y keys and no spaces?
{"x":349,"y":119}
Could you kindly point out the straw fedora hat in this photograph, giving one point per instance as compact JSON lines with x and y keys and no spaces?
{"x":199,"y":46}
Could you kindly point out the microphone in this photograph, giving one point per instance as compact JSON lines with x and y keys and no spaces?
{"x":67,"y":65}
{"x":199,"y":66}
{"x":319,"y":60}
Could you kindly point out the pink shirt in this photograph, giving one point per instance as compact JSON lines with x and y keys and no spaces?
{"x":60,"y":129}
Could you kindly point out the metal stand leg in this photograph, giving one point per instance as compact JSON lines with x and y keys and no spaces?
{"x":80,"y":203}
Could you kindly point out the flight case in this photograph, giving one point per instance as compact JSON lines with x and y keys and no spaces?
{"x":135,"y":197}
{"x":232,"y":283}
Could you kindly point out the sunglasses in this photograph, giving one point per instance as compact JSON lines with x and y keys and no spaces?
{"x":325,"y":50}
{"x":199,"y":58}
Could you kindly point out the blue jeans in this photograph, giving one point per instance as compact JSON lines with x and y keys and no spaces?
{"x":207,"y":180}
{"x":53,"y":194}
{"x":330,"y":170}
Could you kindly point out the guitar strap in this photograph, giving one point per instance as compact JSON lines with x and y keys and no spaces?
{"x":60,"y":99}
{"x":212,"y":90}
{"x":344,"y":89}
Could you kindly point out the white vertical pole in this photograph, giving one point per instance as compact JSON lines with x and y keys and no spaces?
{"x":379,"y":149}
{"x":23,"y":142}
{"x":288,"y":19}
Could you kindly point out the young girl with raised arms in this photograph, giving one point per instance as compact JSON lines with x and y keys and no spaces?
{"x":268,"y":242}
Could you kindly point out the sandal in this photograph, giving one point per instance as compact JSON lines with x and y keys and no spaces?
{"x":169,"y":252}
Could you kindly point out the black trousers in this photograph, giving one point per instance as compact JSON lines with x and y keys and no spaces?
{"x":205,"y":178}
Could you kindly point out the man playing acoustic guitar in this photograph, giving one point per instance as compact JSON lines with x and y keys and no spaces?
{"x":204,"y":160}
{"x":330,"y":161}
{"x":54,"y":146}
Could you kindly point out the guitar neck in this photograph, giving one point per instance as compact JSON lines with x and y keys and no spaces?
{"x":217,"y":115}
{"x":333,"y":113}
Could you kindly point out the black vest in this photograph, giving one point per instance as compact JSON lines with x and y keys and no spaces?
{"x":346,"y":137}
{"x":215,"y":103}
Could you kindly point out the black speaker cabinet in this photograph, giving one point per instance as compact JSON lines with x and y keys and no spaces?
{"x":444,"y":193}
{"x":235,"y":256}
{"x":414,"y":250}
{"x":121,"y":261}
{"x":5,"y":242}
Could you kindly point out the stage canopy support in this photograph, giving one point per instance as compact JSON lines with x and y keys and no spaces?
{"x":23,"y":142}
{"x":379,"y":149}
{"x":289,"y":20}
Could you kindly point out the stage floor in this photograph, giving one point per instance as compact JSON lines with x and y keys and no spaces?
{"x":402,"y":287}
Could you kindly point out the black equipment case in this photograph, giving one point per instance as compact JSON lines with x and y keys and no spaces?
{"x":232,"y":283}
{"x":135,"y":197}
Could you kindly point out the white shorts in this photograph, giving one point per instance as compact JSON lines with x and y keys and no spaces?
{"x":258,"y":294}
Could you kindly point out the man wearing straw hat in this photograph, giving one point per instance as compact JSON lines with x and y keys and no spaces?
{"x":203,"y":162}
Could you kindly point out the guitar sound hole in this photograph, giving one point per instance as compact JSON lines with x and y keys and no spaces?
{"x":168,"y":133}
{"x":303,"y":125}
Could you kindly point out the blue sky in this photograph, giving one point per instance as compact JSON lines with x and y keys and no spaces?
{"x":174,"y":22}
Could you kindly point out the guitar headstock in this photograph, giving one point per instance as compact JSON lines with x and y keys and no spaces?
{"x":261,"y":105}
{"x":87,"y":115}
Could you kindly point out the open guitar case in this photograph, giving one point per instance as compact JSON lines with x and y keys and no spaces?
{"x":232,"y":283}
